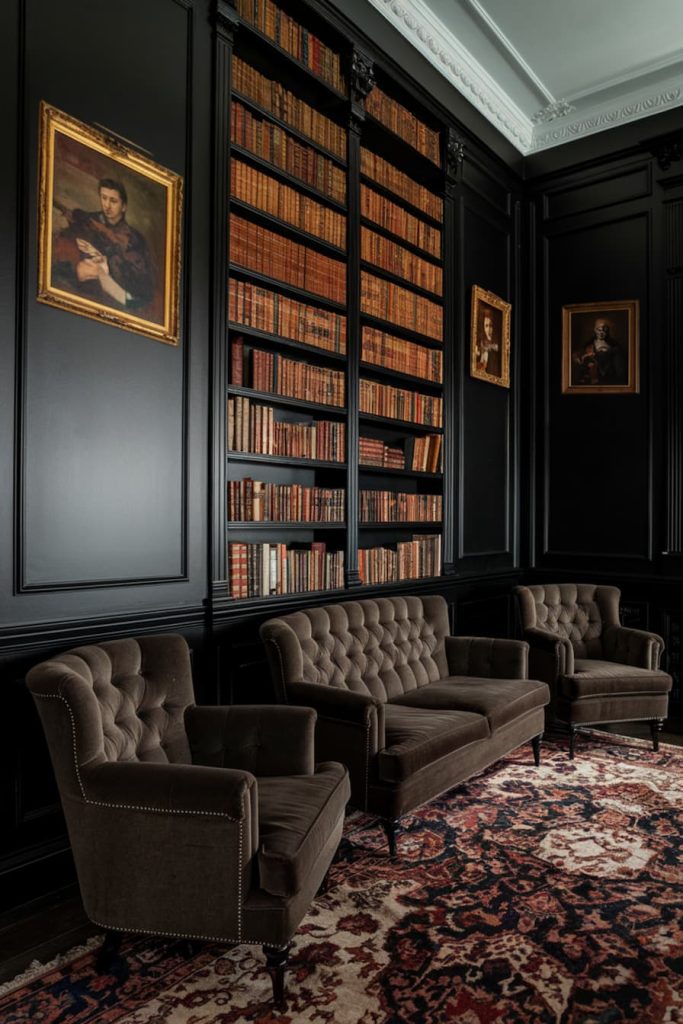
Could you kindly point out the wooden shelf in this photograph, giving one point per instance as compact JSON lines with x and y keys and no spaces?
{"x":381,"y":525}
{"x":388,"y":471}
{"x":387,"y":421}
{"x":286,"y":401}
{"x":286,"y":127}
{"x":278,"y":341}
{"x":395,"y":375}
{"x":286,"y":460}
{"x":399,"y":240}
{"x":286,"y":177}
{"x":400,"y":332}
{"x":283,"y":226}
{"x":273,"y":525}
{"x":400,"y":201}
{"x":402,"y":282}
{"x":289,"y":289}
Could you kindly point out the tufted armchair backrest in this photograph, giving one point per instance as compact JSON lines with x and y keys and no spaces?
{"x":578,"y":611}
{"x":119,"y":701}
{"x":382,"y":648}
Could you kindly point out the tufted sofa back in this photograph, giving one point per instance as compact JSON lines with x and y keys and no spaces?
{"x":578,"y":611}
{"x":118,"y":701}
{"x":383,"y":648}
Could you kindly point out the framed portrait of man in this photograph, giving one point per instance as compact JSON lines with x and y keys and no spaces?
{"x":490,"y":338}
{"x":600,"y":348}
{"x":109,"y":234}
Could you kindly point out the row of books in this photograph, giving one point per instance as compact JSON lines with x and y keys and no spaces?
{"x":399,"y":507}
{"x":419,"y":558}
{"x":384,"y":349}
{"x":294,"y":38}
{"x":266,"y":252}
{"x":420,"y":454}
{"x":263,"y":570}
{"x":252,"y":428}
{"x":393,"y":257}
{"x":387,"y":301}
{"x":266,"y":310}
{"x":254,"y":501}
{"x":374,"y":452}
{"x":269,"y":371}
{"x":273,"y":97}
{"x":398,"y":221}
{"x":391,"y":178}
{"x":400,"y":404}
{"x":404,"y":124}
{"x":285,"y":203}
{"x":271,"y":143}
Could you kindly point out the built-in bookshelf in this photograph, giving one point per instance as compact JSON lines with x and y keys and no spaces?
{"x":334,"y":371}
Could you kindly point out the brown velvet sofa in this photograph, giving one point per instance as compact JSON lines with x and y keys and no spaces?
{"x":195,"y":822}
{"x":598,"y":671}
{"x":408,"y":708}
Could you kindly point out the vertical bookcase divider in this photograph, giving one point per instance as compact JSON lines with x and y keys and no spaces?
{"x":362,"y":80}
{"x":226,"y":24}
{"x":453,"y":156}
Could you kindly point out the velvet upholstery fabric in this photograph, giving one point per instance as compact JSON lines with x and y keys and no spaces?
{"x":598,"y":670}
{"x":409,"y":709}
{"x":169,"y":830}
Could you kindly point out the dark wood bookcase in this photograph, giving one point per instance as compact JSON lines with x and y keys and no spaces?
{"x":394,"y":196}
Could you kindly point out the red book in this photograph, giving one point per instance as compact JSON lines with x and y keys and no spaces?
{"x":237,"y":361}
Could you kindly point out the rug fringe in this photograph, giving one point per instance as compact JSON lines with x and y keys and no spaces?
{"x":35,"y":969}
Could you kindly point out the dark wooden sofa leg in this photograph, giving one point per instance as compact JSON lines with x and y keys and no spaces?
{"x":390,"y":826}
{"x":276,"y":964}
{"x":324,"y":885}
{"x":656,"y":727}
{"x":536,"y":744}
{"x":108,"y":957}
{"x":573,"y":729}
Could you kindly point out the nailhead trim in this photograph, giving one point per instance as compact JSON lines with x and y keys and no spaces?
{"x":126,"y":807}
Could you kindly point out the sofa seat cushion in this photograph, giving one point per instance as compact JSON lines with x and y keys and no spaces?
{"x":595,"y":678}
{"x":297,"y":814}
{"x":499,"y":700}
{"x":416,"y":737}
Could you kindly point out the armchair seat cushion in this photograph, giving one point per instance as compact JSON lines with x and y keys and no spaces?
{"x":416,"y":737}
{"x":595,"y":678}
{"x":296,"y":818}
{"x":500,"y":701}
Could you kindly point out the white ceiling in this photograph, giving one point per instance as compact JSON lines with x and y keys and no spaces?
{"x":546,"y":72}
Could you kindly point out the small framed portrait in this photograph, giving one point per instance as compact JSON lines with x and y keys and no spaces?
{"x":109,"y":235}
{"x":600,"y":348}
{"x":490,"y":338}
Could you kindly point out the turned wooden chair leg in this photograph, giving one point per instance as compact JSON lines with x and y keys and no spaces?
{"x":536,"y":744}
{"x":108,"y":957}
{"x":390,"y":826}
{"x":573,"y":729}
{"x":277,"y":958}
{"x":656,"y":727}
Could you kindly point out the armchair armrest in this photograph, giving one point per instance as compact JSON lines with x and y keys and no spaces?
{"x":487,"y":658}
{"x":633,"y":647}
{"x":170,"y":788}
{"x":264,"y":740}
{"x":553,"y":648}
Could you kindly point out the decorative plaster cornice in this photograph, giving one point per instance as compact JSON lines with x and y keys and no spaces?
{"x":432,"y":38}
{"x":632,"y":108}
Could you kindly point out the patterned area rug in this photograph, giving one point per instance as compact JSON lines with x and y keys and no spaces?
{"x":549,"y":896}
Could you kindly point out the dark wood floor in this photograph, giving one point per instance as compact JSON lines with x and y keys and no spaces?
{"x":43,"y":929}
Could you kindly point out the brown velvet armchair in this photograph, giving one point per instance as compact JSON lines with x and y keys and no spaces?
{"x":194,"y":822}
{"x":599,"y":671}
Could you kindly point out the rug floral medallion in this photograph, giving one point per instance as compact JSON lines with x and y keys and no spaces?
{"x":524,"y":896}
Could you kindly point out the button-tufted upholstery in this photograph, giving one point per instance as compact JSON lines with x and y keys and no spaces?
{"x":409,"y":709}
{"x":169,"y":830}
{"x":577,"y":644}
{"x":381,"y":648}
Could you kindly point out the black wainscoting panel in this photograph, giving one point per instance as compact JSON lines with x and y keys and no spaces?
{"x":103,"y":412}
{"x":487,"y":185}
{"x":599,"y":191}
{"x":597,"y":447}
{"x":485,"y":412}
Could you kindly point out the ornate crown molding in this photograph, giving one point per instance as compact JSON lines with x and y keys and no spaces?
{"x":429,"y":35}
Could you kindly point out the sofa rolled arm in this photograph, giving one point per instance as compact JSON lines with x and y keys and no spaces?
{"x":171,"y":789}
{"x":263,"y":739}
{"x":487,"y":658}
{"x":636,"y":647}
{"x":333,"y":702}
{"x":557,"y":647}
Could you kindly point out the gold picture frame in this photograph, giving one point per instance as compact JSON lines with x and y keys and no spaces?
{"x":600,"y":348}
{"x":109,"y":229}
{"x":490,"y":338}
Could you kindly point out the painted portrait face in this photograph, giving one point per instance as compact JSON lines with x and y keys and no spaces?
{"x":601,"y":329}
{"x":488,"y":326}
{"x":113,"y":206}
